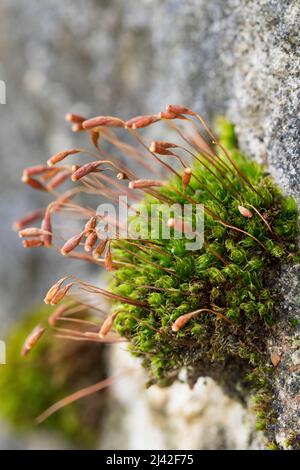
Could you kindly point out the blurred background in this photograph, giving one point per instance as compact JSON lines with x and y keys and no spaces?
{"x":128,"y":58}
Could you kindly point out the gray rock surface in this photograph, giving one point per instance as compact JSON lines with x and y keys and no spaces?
{"x":235,"y":57}
{"x":286,"y":342}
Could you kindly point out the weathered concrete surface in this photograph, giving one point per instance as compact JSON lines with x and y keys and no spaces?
{"x":174,"y":417}
{"x":238,"y":57}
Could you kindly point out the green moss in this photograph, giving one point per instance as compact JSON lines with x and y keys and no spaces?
{"x":241,"y":288}
{"x":294,"y":322}
{"x":52,"y":371}
{"x":271,"y":446}
{"x":293,"y":441}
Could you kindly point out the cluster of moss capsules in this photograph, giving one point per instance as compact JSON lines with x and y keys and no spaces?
{"x":233,"y":275}
{"x":207,"y":310}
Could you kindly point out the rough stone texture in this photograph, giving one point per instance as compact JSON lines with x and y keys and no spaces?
{"x":266,"y":93}
{"x":238,"y":57}
{"x":286,"y":343}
